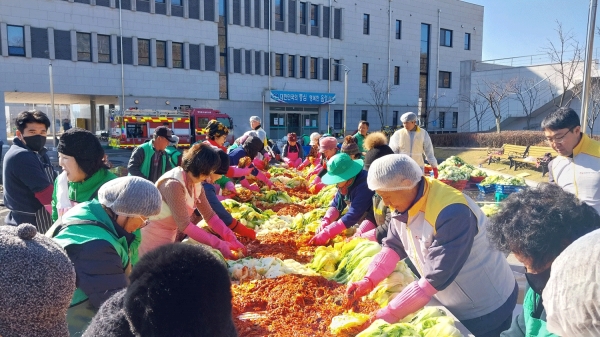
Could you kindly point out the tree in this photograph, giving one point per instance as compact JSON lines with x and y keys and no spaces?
{"x":594,"y":105}
{"x":526,"y":92}
{"x":379,"y":96}
{"x":479,"y":106}
{"x":493,"y":92}
{"x":566,"y":56}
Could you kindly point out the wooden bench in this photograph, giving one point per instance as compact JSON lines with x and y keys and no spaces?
{"x":535,"y":156}
{"x":507,"y":152}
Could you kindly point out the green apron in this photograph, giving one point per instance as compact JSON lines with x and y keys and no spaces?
{"x":534,"y":327}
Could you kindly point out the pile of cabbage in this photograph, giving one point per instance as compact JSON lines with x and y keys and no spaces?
{"x":456,"y":169}
{"x":500,"y":180}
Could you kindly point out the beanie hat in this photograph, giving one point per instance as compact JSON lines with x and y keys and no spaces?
{"x":80,"y":144}
{"x":314,"y":138}
{"x":216,"y":129}
{"x":327,"y":143}
{"x":349,"y":146}
{"x":224,"y":167}
{"x":175,"y":290}
{"x":131,"y":196}
{"x":571,"y":296}
{"x":394,"y":172}
{"x":37,"y":282}
{"x":252,"y":146}
{"x":376,"y":146}
{"x":408,"y":117}
{"x":292,"y":137}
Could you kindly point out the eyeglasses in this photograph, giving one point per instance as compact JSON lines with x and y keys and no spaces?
{"x":145,"y":222}
{"x":558,"y":140}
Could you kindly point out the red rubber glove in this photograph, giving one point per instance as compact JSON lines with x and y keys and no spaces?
{"x":435,"y":172}
{"x":238,"y":228}
{"x":359,"y":289}
{"x":246,"y":184}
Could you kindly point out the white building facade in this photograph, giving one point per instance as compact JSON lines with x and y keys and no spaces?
{"x":282,"y":60}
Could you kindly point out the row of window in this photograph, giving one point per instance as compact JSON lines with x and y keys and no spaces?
{"x":338,"y":118}
{"x":311,"y":19}
{"x":442,"y":119}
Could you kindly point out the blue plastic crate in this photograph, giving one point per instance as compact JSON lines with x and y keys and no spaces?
{"x":486,"y":188}
{"x":508,"y":189}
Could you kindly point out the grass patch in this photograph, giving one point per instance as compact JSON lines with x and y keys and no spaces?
{"x":476,"y":157}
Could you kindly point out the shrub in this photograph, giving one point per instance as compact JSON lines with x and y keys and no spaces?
{"x":490,"y":139}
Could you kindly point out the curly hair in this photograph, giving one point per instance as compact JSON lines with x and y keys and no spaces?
{"x":200,"y":159}
{"x":539,"y":223}
{"x":374,"y":140}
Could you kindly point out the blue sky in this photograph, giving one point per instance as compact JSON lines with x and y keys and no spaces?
{"x":523,"y":27}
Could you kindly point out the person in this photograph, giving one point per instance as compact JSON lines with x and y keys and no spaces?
{"x":414,"y":142}
{"x":314,"y":151}
{"x":251,"y":147}
{"x":447,"y":243}
{"x":175,"y":290}
{"x":37,"y":282}
{"x":182,"y":193}
{"x":101,"y":237}
{"x":215,"y":203}
{"x":216,"y":134}
{"x":351,"y":148}
{"x":536,"y":225}
{"x":27,"y":173}
{"x":353,"y":192}
{"x":375,"y":225}
{"x":255,"y":124}
{"x":577,"y":168}
{"x":82,"y":159}
{"x":571,"y":294}
{"x":363,"y":128}
{"x":292,"y":151}
{"x":238,"y":142}
{"x":66,"y":124}
{"x":149,"y":160}
{"x":173,"y":153}
{"x":327,"y":148}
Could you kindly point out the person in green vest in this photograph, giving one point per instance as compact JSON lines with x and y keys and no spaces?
{"x":85,"y":170}
{"x":536,"y":225}
{"x":173,"y":153}
{"x":363,"y":128}
{"x":150,"y":160}
{"x":101,"y":238}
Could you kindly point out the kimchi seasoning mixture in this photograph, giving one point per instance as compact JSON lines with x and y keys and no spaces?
{"x":284,"y":208}
{"x":291,"y":305}
{"x":285,"y":245}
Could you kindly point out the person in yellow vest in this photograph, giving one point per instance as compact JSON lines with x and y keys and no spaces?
{"x":577,"y":167}
{"x":150,"y":160}
{"x":414,"y":142}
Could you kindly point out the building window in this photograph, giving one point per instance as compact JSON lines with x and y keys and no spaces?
{"x":424,"y":68}
{"x":314,"y":15}
{"x":143,"y":52}
{"x":313,"y":68}
{"x":398,"y":29}
{"x":84,"y":47}
{"x":467,"y":41}
{"x":302,"y":66}
{"x":445,"y":79}
{"x":366,"y":23}
{"x":291,"y":66}
{"x":103,"y":48}
{"x":336,"y":70}
{"x":161,"y":57}
{"x":395,"y":119}
{"x":365,"y":73}
{"x":338,"y":119}
{"x":455,"y":119}
{"x":160,"y":1}
{"x":303,"y":13}
{"x":279,"y":65}
{"x":442,"y":119}
{"x":177,"y":50}
{"x":278,"y":10}
{"x":396,"y":75}
{"x":363,"y":115}
{"x":176,"y":2}
{"x":16,"y":40}
{"x":445,"y":37}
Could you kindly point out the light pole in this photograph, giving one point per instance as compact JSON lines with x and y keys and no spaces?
{"x":52,"y":103}
{"x":346,"y":71}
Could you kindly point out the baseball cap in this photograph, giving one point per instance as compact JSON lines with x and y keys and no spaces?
{"x":164,"y":131}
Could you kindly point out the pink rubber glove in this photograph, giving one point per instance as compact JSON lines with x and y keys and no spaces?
{"x":217,"y":188}
{"x":370,"y":235}
{"x":364,"y":227}
{"x":246,"y":184}
{"x":241,"y":172}
{"x":225,"y":233}
{"x":328,"y":233}
{"x":304,"y":164}
{"x":230,"y":186}
{"x":331,"y":215}
{"x":222,"y":197}
{"x":414,"y":297}
{"x":382,"y":266}
{"x":359,"y":289}
{"x":206,"y":238}
{"x":267,"y":157}
{"x":259,"y":164}
{"x":261,"y":176}
{"x":316,"y":170}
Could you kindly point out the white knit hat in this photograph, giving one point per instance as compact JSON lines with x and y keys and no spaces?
{"x":572,"y":294}
{"x":131,"y":196}
{"x":394,"y":172}
{"x":314,"y":138}
{"x":408,"y":117}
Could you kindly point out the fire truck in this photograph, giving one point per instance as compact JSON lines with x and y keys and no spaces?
{"x":134,"y":126}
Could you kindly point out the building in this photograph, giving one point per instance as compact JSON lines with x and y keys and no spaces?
{"x":283,"y":60}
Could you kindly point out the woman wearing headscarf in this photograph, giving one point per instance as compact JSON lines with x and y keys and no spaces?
{"x":314,"y":151}
{"x":292,"y":151}
{"x":216,"y":134}
{"x":82,"y":159}
{"x":183,"y":195}
{"x":350,"y":147}
{"x":327,"y":149}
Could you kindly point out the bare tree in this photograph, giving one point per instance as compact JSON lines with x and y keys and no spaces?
{"x":566,"y":56}
{"x":379,"y":96}
{"x":479,"y":106}
{"x":594,"y":107}
{"x":493,"y":92}
{"x":526,"y":92}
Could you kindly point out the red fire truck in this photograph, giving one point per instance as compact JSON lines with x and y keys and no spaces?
{"x":134,"y":126}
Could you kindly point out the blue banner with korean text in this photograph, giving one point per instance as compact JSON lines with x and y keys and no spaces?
{"x":295,"y":97}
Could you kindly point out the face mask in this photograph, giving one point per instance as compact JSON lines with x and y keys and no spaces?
{"x":35,"y":143}
{"x":537,"y":282}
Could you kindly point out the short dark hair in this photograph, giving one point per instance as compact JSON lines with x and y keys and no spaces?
{"x":26,"y":117}
{"x":364,"y":122}
{"x":540,"y":222}
{"x":200,"y":159}
{"x":562,"y":118}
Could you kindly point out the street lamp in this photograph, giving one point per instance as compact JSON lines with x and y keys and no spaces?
{"x":346,"y":71}
{"x":52,"y":103}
